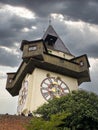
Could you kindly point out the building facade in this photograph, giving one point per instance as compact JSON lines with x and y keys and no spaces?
{"x":48,"y":71}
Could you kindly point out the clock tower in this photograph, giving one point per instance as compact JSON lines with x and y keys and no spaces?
{"x":48,"y":70}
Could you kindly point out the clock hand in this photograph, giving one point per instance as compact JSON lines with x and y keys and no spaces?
{"x":50,"y":80}
{"x":52,"y":89}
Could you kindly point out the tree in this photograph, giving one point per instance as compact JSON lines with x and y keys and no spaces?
{"x":38,"y":123}
{"x":77,"y":110}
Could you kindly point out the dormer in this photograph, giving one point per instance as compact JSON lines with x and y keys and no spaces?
{"x":32,"y":49}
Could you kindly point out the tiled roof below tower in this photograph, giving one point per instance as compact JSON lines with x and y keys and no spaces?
{"x":13,"y":122}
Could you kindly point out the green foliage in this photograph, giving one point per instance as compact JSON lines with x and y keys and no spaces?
{"x":38,"y":123}
{"x":78,"y":110}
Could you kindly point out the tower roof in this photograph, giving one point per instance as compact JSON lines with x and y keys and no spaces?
{"x":59,"y":45}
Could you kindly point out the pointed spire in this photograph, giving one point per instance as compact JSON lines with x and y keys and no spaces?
{"x":59,"y":45}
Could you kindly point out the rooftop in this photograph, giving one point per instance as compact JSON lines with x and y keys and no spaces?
{"x":13,"y":122}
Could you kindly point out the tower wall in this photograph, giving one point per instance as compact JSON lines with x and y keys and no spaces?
{"x":34,"y":98}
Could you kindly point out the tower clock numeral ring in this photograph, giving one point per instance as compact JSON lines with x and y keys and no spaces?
{"x":52,"y":87}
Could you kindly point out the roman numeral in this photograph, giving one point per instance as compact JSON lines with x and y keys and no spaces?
{"x":46,"y":94}
{"x":44,"y":88}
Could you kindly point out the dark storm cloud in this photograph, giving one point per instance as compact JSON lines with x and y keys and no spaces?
{"x":12,"y":25}
{"x":10,"y":29}
{"x":79,"y":40}
{"x":91,"y":50}
{"x":12,"y":32}
{"x":85,"y":10}
{"x":8,"y":59}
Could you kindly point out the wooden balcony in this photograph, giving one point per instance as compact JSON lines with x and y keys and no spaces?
{"x":77,"y":68}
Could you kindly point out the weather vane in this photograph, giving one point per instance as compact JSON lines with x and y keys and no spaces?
{"x":50,"y":20}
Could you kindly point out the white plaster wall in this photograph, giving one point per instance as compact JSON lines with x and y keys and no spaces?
{"x":35,"y":98}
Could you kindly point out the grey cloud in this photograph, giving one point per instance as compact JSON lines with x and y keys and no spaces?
{"x":10,"y":29}
{"x":93,"y":85}
{"x":11,"y":33}
{"x":74,"y":9}
{"x":83,"y":10}
{"x":8,"y":105}
{"x":2,"y":75}
{"x":8,"y":58}
{"x":78,"y":43}
{"x":91,"y":50}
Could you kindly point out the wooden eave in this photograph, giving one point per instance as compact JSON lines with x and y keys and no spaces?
{"x":85,"y":55}
{"x":10,"y":73}
{"x":25,"y":42}
{"x":50,"y":63}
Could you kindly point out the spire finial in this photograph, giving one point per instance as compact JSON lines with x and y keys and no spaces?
{"x":50,"y":20}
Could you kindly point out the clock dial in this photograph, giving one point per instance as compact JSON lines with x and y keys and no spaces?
{"x":22,"y":96}
{"x":52,"y":87}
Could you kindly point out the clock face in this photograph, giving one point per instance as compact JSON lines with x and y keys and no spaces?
{"x":22,"y":96}
{"x":52,"y":87}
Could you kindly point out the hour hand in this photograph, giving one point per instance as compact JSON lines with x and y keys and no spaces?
{"x":52,"y":89}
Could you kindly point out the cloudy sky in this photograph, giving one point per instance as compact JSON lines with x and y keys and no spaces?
{"x":76,"y":22}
